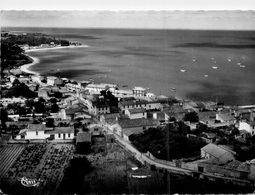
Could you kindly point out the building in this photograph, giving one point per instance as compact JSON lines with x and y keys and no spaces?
{"x":218,"y":153}
{"x":33,"y":132}
{"x":96,"y":88}
{"x":139,"y":91}
{"x":51,"y":80}
{"x":136,"y":113}
{"x":104,"y":118}
{"x":247,"y":126}
{"x":134,"y":125}
{"x":6,"y":101}
{"x":226,"y":118}
{"x":61,"y":133}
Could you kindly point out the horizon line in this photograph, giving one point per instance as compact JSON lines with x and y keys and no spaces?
{"x":128,"y":28}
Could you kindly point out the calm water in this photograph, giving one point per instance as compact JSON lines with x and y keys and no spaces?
{"x":154,"y":58}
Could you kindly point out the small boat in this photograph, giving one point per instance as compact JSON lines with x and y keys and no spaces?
{"x":173,"y":89}
{"x":194,"y":59}
{"x":239,"y":63}
{"x":229,"y":60}
{"x":242,"y":66}
{"x":206,"y":75}
{"x":183,"y":70}
{"x":212,"y":58}
{"x":215,"y":67}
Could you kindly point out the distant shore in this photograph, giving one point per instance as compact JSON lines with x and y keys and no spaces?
{"x":25,"y":67}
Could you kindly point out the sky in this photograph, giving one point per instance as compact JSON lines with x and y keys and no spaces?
{"x":204,"y":20}
{"x":128,"y":5}
{"x":117,"y":14}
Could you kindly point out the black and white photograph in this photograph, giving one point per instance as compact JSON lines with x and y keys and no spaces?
{"x":127,"y":97}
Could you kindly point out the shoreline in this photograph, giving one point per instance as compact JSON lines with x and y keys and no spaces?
{"x":25,"y":67}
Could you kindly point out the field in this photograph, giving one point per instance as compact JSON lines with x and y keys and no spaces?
{"x":43,"y":162}
{"x":8,"y":155}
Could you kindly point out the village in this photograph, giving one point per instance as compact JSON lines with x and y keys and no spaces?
{"x":55,"y":117}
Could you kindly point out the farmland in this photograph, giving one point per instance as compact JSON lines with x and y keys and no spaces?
{"x":42,"y":162}
{"x":8,"y":155}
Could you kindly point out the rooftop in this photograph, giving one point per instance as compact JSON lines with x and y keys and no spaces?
{"x":226,"y":116}
{"x":61,"y":130}
{"x":140,"y":122}
{"x":215,"y":151}
{"x":136,"y":110}
{"x":139,"y":88}
{"x":36,"y":127}
{"x":129,"y":132}
{"x":131,"y":103}
{"x":83,"y":137}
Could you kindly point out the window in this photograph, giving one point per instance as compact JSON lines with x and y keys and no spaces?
{"x":59,"y":135}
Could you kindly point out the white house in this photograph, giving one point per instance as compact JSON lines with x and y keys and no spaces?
{"x":51,"y":80}
{"x":247,"y":126}
{"x":140,"y":91}
{"x":33,"y":131}
{"x":136,"y":113}
{"x":39,"y":132}
{"x":61,"y":133}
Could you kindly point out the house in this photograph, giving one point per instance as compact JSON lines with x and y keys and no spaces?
{"x":158,"y":115}
{"x":96,"y":88}
{"x":33,"y":131}
{"x":104,"y":118}
{"x":218,"y":153}
{"x":97,"y":108}
{"x":226,"y":118}
{"x":136,"y":113}
{"x":175,"y":111}
{"x":61,"y":133}
{"x":51,"y":80}
{"x":247,"y":126}
{"x":120,"y":93}
{"x":139,"y":91}
{"x":44,"y":93}
{"x":133,"y":124}
{"x":207,"y":117}
{"x":37,"y":79}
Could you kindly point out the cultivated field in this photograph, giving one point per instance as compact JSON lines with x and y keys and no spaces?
{"x":8,"y":155}
{"x":44,"y":162}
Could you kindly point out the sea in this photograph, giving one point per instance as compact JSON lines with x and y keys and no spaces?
{"x":201,"y":65}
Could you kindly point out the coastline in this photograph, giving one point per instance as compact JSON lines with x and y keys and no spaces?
{"x":25,"y":67}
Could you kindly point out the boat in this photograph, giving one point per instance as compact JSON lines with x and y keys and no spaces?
{"x":183,"y":70}
{"x":229,"y":60}
{"x":239,"y":63}
{"x":205,"y":75}
{"x":173,"y":89}
{"x":215,"y":67}
{"x":242,"y":66}
{"x":212,"y":58}
{"x":194,"y":59}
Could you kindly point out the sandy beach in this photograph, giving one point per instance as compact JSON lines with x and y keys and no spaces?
{"x":25,"y":68}
{"x":51,"y":48}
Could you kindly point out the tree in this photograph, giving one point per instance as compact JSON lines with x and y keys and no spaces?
{"x":191,"y":117}
{"x":50,"y":122}
{"x":54,"y":108}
